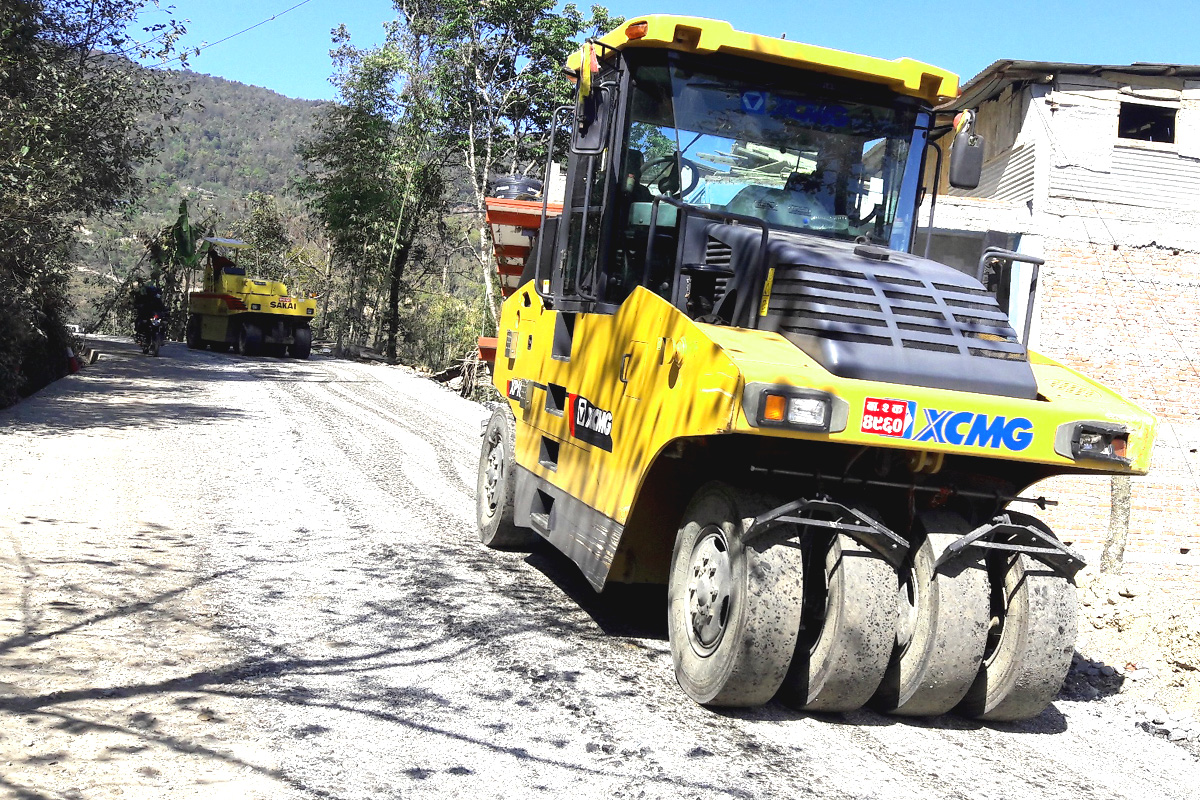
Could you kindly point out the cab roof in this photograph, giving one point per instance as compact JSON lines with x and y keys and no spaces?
{"x":710,"y":37}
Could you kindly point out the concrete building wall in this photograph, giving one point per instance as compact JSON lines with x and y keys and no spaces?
{"x":1118,"y":223}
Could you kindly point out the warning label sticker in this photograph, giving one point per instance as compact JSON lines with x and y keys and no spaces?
{"x":889,"y":417}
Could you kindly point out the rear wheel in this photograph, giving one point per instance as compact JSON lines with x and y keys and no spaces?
{"x":192,"y":334}
{"x":249,"y":339}
{"x":849,"y":627}
{"x":301,"y":344}
{"x":496,"y":486}
{"x":1031,"y":639}
{"x":942,"y":625}
{"x":220,"y":347}
{"x":733,"y":606}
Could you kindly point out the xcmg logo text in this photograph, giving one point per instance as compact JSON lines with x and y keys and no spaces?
{"x":975,"y":430}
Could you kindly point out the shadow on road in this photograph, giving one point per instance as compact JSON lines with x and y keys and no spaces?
{"x":127,"y":389}
{"x":637,"y":611}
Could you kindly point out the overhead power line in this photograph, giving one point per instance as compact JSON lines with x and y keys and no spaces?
{"x":197,"y":50}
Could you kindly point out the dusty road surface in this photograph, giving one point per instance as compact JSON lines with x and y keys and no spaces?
{"x":225,"y":577}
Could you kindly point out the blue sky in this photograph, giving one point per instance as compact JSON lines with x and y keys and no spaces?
{"x":291,"y":53}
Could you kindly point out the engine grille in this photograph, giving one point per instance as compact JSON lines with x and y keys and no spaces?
{"x":888,"y":309}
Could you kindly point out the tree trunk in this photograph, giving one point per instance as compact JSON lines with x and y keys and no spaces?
{"x":398,"y":264}
{"x":324,"y":327}
{"x":1113,"y":555}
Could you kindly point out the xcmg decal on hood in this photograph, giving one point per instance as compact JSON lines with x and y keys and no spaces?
{"x":899,"y":419}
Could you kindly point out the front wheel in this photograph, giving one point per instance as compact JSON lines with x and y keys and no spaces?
{"x":249,"y":339}
{"x":155,"y":344}
{"x":497,"y":485}
{"x":941,"y":626}
{"x":192,"y":335}
{"x":1031,"y":639}
{"x":849,"y":626}
{"x":733,"y":606}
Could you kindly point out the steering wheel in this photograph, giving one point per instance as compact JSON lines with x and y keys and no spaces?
{"x":669,"y":182}
{"x":856,"y":222}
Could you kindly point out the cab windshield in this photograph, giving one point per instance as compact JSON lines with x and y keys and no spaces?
{"x":798,"y":150}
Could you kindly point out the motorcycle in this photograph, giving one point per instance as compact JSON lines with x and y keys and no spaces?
{"x":152,"y":335}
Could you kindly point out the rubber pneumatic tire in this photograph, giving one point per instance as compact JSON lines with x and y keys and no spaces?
{"x":942,"y":624}
{"x":850,"y":629}
{"x":495,"y":488}
{"x":1035,"y":619}
{"x":733,"y":607}
{"x":301,"y":345}
{"x":192,"y":334}
{"x":249,"y":339}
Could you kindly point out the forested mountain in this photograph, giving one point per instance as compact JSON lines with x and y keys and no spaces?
{"x":231,"y":139}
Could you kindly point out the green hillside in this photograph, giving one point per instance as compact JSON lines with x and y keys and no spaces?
{"x":231,"y":139}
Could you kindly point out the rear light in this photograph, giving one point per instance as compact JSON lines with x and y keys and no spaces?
{"x":636,"y":30}
{"x":775,"y":406}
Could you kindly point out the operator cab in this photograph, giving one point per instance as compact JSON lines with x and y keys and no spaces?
{"x":728,"y":141}
{"x":760,"y":195}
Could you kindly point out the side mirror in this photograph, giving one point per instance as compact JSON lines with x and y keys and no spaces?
{"x":592,"y":114}
{"x":966,"y":155}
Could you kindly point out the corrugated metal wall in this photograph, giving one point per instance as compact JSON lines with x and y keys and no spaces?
{"x":1008,"y":177}
{"x":1139,"y":177}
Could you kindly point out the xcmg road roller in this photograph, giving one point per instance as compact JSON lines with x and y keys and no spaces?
{"x":726,"y":371}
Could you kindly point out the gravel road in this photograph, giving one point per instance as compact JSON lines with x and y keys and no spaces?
{"x":238,"y":578}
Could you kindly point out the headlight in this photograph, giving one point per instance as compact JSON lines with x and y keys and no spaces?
{"x":1094,"y":441}
{"x":774,"y":406}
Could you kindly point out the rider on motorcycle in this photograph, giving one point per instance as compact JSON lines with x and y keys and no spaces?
{"x":147,"y":301}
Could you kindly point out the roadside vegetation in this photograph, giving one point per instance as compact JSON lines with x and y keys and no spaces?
{"x":373,"y":202}
{"x":75,"y":123}
{"x":397,"y":172}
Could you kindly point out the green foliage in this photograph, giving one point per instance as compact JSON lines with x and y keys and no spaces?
{"x":265,"y":230}
{"x":459,"y":92}
{"x":498,"y":75}
{"x":440,"y":327}
{"x":375,"y":177}
{"x":76,"y":120}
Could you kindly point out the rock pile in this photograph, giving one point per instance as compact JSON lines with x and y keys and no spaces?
{"x":1177,"y":726}
{"x":1142,"y":643}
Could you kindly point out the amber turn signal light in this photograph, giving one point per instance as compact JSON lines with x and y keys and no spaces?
{"x":774,"y":407}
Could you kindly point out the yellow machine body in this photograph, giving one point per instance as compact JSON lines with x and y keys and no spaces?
{"x":649,"y":376}
{"x":713,"y":37}
{"x":601,"y":398}
{"x":728,"y":372}
{"x":230,"y":302}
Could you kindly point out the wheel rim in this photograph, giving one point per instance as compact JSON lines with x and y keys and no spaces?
{"x":493,"y":474}
{"x":710,"y":581}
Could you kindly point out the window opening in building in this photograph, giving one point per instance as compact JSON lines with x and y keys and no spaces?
{"x":1147,"y":123}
